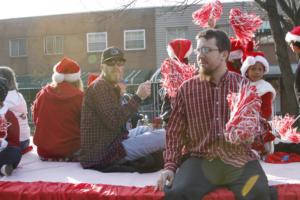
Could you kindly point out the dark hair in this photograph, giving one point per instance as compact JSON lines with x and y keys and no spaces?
{"x":295,"y":43}
{"x":222,"y":40}
{"x":3,"y":89}
{"x":9,"y":75}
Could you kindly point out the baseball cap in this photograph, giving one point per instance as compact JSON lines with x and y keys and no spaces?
{"x":112,"y":53}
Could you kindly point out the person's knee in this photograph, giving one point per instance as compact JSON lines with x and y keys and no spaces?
{"x":174,"y":193}
{"x":257,"y":193}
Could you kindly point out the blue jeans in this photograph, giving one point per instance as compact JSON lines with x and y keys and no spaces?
{"x":10,"y":156}
{"x":24,"y":144}
{"x":140,"y":144}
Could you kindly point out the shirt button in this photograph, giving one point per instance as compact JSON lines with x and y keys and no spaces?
{"x":217,"y":103}
{"x":217,"y":118}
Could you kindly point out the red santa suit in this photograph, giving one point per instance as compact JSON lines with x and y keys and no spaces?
{"x":267,"y":93}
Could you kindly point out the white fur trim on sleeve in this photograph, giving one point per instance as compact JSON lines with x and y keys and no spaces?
{"x":263,"y":87}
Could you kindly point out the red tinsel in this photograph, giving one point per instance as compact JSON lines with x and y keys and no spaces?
{"x":244,"y":123}
{"x":244,"y":25}
{"x":174,"y":73}
{"x":208,"y":14}
{"x":284,"y":130}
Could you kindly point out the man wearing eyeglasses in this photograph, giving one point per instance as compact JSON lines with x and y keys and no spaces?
{"x":104,"y":137}
{"x":198,"y":121}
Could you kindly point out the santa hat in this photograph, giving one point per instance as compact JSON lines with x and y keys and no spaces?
{"x":251,"y":59}
{"x":236,"y":49}
{"x":293,"y":35}
{"x":66,"y":70}
{"x":180,"y":49}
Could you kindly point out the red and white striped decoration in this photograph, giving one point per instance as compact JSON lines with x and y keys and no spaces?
{"x":244,"y":25}
{"x":208,"y":14}
{"x":174,"y":73}
{"x":244,"y":123}
{"x":283,"y":127}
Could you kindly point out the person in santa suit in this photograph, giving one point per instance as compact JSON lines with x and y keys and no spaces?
{"x":10,"y":152}
{"x":254,"y":67}
{"x":293,"y":38}
{"x":56,"y":113}
{"x":179,"y":51}
{"x":17,"y":104}
{"x":234,"y":62}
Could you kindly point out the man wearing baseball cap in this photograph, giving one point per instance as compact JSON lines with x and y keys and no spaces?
{"x":104,"y":137}
{"x":293,"y":38}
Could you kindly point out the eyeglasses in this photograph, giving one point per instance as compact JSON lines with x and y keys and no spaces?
{"x":204,"y":50}
{"x":112,"y":63}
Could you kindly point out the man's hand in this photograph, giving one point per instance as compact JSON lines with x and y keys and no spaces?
{"x":166,"y":178}
{"x":144,"y":90}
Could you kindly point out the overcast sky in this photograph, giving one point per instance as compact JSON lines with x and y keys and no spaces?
{"x":25,"y":8}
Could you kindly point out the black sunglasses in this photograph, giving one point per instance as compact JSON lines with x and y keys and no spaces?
{"x":112,"y":63}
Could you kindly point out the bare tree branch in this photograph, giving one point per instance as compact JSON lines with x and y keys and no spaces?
{"x":262,"y":4}
{"x":286,"y":9}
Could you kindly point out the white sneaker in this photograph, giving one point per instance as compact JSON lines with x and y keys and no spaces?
{"x":6,"y":170}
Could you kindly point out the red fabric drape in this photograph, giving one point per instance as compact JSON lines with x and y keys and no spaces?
{"x":85,"y":191}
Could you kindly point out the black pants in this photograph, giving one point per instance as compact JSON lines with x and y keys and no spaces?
{"x":10,"y":155}
{"x":196,"y":177}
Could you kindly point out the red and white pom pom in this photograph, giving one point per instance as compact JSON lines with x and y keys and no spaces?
{"x":208,"y":14}
{"x":244,"y":123}
{"x":284,"y":130}
{"x":174,"y":73}
{"x":244,"y":25}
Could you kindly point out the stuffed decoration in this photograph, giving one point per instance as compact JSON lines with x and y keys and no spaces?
{"x":208,"y":14}
{"x":244,"y":123}
{"x":244,"y":25}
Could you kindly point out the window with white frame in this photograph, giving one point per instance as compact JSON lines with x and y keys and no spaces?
{"x":264,"y":34}
{"x":176,"y":32}
{"x":134,"y":39}
{"x":54,"y":45}
{"x":96,"y":42}
{"x":18,"y":47}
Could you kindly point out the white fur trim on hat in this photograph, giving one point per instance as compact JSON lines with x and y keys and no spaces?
{"x":170,"y":51}
{"x":60,"y":77}
{"x":291,"y":37}
{"x":189,"y":52}
{"x":250,"y":60}
{"x":234,"y":55}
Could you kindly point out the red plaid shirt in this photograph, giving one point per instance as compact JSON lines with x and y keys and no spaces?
{"x":198,"y":121}
{"x":102,"y":124}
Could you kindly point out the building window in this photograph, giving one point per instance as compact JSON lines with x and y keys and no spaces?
{"x":96,"y":42}
{"x":134,"y":39}
{"x":264,"y":34}
{"x":18,"y":47}
{"x":175,"y":32}
{"x":54,"y":45}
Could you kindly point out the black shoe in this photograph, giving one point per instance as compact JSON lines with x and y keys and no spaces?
{"x":6,"y":170}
